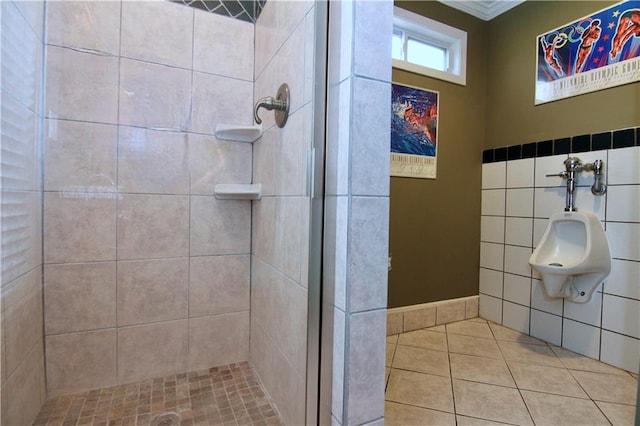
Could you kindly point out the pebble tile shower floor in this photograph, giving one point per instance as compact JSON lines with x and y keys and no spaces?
{"x":227,"y":395}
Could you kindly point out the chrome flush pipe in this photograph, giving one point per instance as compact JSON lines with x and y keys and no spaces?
{"x":572,"y":166}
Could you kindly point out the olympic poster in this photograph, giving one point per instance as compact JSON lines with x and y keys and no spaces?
{"x":414,"y":132}
{"x":593,"y":53}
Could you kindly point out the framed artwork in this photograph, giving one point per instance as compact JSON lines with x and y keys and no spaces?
{"x":595,"y":52}
{"x":414,"y":132}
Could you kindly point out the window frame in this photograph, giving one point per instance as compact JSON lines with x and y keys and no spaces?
{"x":437,"y":34}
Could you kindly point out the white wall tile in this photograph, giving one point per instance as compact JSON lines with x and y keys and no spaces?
{"x":589,"y":313}
{"x":624,"y":166}
{"x":621,"y":315}
{"x":581,"y":338}
{"x":492,"y":229}
{"x":542,"y":302}
{"x":623,"y":202}
{"x":491,"y":308}
{"x":491,"y":282}
{"x":624,"y":279}
{"x":519,"y":202}
{"x":548,"y":201}
{"x":515,"y":317}
{"x":494,"y":175}
{"x":623,"y":240}
{"x":491,"y":255}
{"x":539,"y":226}
{"x":517,"y":289}
{"x":520,"y":173}
{"x":516,"y":260}
{"x":585,"y":201}
{"x":160,"y":32}
{"x":546,"y":327}
{"x":370,"y":40}
{"x":493,"y":202}
{"x":518,"y":231}
{"x":621,"y":351}
{"x":549,"y":165}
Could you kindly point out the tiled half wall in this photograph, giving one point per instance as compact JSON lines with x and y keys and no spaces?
{"x":518,"y":199}
{"x":415,"y":317}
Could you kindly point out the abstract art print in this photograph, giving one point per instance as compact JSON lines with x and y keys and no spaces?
{"x":414,"y":132}
{"x":595,"y":52}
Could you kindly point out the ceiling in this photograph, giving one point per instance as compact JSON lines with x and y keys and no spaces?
{"x":483,"y":9}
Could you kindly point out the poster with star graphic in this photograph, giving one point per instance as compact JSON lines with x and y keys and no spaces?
{"x":593,"y":53}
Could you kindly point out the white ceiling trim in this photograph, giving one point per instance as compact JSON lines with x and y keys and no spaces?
{"x":483,"y":9}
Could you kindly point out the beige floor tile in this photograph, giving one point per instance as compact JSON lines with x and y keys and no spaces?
{"x":470,"y":328}
{"x":479,"y":369}
{"x":387,"y":371}
{"x":472,"y":421}
{"x":422,"y":360}
{"x":424,"y":339}
{"x":393,"y":338}
{"x":504,"y":333}
{"x":542,"y":378}
{"x":406,"y":415}
{"x":607,"y":387}
{"x":473,"y":346}
{"x":391,"y":349}
{"x":618,"y":414}
{"x":574,"y":361}
{"x":549,"y":409}
{"x":490,"y":402}
{"x":478,"y":319}
{"x":423,"y":390}
{"x":523,"y":352}
{"x":438,"y":328}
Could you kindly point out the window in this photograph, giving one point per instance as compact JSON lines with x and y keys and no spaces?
{"x":424,"y":46}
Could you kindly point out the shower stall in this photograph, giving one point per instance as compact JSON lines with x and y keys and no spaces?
{"x":118,"y":262}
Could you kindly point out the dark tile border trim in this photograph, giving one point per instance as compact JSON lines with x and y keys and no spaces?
{"x":244,"y":10}
{"x":622,"y":138}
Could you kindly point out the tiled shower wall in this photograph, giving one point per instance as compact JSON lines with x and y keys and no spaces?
{"x":517,"y":200}
{"x":280,"y":241}
{"x":22,"y":390}
{"x":146,"y":273}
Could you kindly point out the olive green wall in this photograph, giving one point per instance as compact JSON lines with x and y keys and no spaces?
{"x":434,"y":236}
{"x":512,"y":117}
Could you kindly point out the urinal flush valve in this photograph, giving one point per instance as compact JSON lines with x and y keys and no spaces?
{"x":574,"y":165}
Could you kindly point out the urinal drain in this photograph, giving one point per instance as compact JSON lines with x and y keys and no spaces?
{"x":555,"y":264}
{"x":166,"y":419}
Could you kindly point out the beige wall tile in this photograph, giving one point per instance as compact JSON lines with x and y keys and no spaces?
{"x":234,"y":42}
{"x":79,"y":156}
{"x":21,"y":136}
{"x":161,"y":102}
{"x":159,"y":32}
{"x":80,"y":361}
{"x":81,"y":86}
{"x":152,"y":162}
{"x":471,"y":308}
{"x":220,"y":226}
{"x":218,"y":340}
{"x":213,"y":161}
{"x":79,"y":296}
{"x":152,"y":350}
{"x":79,"y":227}
{"x":84,"y":24}
{"x":288,"y":243}
{"x":152,"y":290}
{"x":153,"y":226}
{"x":450,"y":311}
{"x":22,"y":322}
{"x":419,"y":318}
{"x":21,"y":396}
{"x":219,"y":284}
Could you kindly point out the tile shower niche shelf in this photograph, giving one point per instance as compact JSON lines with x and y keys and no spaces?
{"x":237,"y":191}
{"x":233,"y":132}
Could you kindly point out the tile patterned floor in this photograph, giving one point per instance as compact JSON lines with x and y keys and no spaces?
{"x":475,"y":372}
{"x":227,"y":395}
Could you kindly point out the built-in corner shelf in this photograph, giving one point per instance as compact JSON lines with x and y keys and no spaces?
{"x":237,"y":191}
{"x":233,"y":132}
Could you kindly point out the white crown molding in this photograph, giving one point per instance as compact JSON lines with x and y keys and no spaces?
{"x":483,"y":9}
